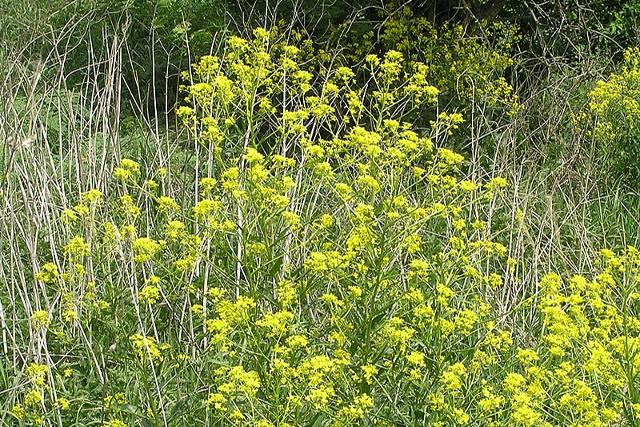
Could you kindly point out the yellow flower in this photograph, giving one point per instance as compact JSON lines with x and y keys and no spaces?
{"x":253,"y":156}
{"x":149,"y":294}
{"x":369,"y":371}
{"x":490,"y":401}
{"x":206,"y":207}
{"x":92,"y":197}
{"x":18,"y":412}
{"x":33,"y":398}
{"x":167,"y":204}
{"x":128,"y":170}
{"x":292,"y":219}
{"x":77,"y":247}
{"x":452,"y":376}
{"x":207,"y":185}
{"x":62,"y":403}
{"x":297,"y":341}
{"x":319,"y":397}
{"x":145,"y":347}
{"x":513,"y":382}
{"x":68,"y":216}
{"x":70,"y":315}
{"x":144,"y":249}
{"x":217,"y":400}
{"x":527,"y":356}
{"x":276,"y":323}
{"x":40,"y":319}
{"x":240,"y":381}
{"x":495,"y":184}
{"x":416,"y":359}
{"x":461,"y":417}
{"x":48,"y":273}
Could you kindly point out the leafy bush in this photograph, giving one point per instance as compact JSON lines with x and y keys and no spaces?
{"x":616,"y":105}
{"x":467,"y":64}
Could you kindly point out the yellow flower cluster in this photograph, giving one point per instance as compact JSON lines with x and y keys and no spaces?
{"x":33,"y":405}
{"x":145,"y":347}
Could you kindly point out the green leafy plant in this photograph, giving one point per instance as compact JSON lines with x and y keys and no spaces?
{"x":615,"y":103}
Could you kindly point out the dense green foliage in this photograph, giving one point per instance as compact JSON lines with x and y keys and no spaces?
{"x":616,"y":104}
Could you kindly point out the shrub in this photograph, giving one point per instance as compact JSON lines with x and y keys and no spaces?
{"x":468,"y":64}
{"x":615,"y":103}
